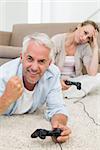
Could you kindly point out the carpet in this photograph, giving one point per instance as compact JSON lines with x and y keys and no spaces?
{"x":84,"y":122}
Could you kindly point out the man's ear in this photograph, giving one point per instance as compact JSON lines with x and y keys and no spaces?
{"x":21,"y":57}
{"x":50,"y":62}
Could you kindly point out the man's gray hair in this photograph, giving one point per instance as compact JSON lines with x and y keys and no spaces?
{"x":40,"y":38}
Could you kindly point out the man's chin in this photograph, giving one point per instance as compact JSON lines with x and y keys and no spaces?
{"x":30,"y":81}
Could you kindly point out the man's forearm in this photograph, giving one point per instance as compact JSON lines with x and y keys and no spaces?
{"x":60,"y":118}
{"x":4,"y":103}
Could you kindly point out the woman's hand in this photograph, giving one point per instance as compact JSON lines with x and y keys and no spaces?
{"x":92,"y":69}
{"x":64,"y":86}
{"x":93,"y":42}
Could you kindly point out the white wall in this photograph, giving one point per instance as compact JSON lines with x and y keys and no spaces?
{"x":64,"y":10}
{"x":2,"y":14}
{"x":39,"y":11}
{"x":34,"y":11}
{"x":13,"y":12}
{"x":72,"y":11}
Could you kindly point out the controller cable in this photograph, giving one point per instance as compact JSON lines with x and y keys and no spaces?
{"x":60,"y":145}
{"x":79,"y":101}
{"x":79,"y":98}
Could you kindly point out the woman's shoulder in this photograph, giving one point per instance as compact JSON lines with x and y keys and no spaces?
{"x":58,"y":36}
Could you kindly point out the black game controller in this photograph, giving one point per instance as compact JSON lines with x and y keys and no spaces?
{"x":42,"y":133}
{"x":77,"y":84}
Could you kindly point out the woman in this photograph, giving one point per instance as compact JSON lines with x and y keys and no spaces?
{"x":74,"y":50}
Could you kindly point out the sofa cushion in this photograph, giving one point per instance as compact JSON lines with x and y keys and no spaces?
{"x":21,"y":30}
{"x":5,"y":37}
{"x":9,"y":51}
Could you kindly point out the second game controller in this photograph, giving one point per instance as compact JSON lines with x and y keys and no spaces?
{"x":77,"y":84}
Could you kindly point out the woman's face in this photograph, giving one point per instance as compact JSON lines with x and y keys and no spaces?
{"x":84,"y":34}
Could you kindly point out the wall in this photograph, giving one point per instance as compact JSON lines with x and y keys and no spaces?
{"x":41,"y":11}
{"x":68,"y":11}
{"x":2,"y":13}
{"x":13,"y":12}
{"x":34,"y":11}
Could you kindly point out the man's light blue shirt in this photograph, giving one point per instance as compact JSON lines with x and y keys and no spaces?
{"x":47,"y":90}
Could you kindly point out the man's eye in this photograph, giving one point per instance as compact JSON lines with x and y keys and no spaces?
{"x":42,"y":61}
{"x":29,"y":59}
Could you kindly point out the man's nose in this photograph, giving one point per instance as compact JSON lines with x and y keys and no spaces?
{"x":34,"y":66}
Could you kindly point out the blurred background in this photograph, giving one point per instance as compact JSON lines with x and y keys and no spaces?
{"x":47,"y":11}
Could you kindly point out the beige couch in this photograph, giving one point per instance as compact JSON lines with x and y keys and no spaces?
{"x":11,"y":42}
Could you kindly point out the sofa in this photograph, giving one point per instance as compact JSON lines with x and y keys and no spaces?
{"x":11,"y":42}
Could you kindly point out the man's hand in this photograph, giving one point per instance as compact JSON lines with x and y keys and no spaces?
{"x":64,"y":134}
{"x":59,"y":121}
{"x":12,"y":92}
{"x":13,"y":89}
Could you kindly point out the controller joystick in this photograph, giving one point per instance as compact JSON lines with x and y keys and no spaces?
{"x":42,"y":133}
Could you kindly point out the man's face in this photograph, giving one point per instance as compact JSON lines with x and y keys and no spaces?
{"x":35,"y":61}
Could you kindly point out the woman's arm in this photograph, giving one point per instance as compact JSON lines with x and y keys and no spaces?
{"x":92,"y":68}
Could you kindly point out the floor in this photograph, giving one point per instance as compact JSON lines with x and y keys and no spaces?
{"x":84,"y":122}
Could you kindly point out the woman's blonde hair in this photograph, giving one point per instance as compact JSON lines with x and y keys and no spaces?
{"x":88,"y":22}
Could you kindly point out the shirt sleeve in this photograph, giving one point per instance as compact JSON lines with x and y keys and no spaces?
{"x":55,"y":102}
{"x":2,"y":81}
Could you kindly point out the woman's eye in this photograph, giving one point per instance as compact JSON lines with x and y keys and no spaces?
{"x":85,"y":32}
{"x":89,"y":38}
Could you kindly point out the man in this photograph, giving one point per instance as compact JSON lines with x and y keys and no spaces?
{"x":28,"y":82}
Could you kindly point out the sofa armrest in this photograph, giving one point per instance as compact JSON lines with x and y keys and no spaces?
{"x":10,"y":52}
{"x":5,"y":37}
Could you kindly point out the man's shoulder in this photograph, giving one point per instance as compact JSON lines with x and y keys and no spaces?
{"x":10,"y":67}
{"x":53,"y":70}
{"x":11,"y":62}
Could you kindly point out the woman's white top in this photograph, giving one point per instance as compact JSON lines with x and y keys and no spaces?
{"x":68,"y":68}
